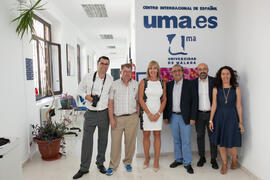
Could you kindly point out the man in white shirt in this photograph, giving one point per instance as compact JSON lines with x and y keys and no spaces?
{"x":95,"y":89}
{"x":123,"y":113}
{"x":202,"y":93}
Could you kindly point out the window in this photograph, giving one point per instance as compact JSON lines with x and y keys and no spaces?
{"x":46,"y":61}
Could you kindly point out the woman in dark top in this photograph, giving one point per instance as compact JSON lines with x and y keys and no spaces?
{"x":226,"y":121}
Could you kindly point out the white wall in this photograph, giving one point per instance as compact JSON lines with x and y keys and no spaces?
{"x":14,"y":97}
{"x":247,"y":50}
{"x":19,"y":108}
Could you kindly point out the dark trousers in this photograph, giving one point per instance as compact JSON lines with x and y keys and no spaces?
{"x":93,"y":120}
{"x":201,"y":124}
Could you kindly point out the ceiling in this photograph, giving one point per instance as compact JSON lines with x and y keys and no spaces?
{"x":117,"y":23}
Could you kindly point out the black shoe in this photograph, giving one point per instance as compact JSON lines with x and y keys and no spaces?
{"x":189,"y":169}
{"x":102,"y":169}
{"x":214,"y":164}
{"x":175,"y":164}
{"x":201,"y":162}
{"x":79,"y":174}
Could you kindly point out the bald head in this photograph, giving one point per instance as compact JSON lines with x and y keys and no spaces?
{"x":202,"y":71}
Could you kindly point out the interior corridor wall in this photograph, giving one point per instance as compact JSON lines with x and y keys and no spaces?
{"x":19,"y":107}
{"x":247,"y":51}
{"x":15,"y":92}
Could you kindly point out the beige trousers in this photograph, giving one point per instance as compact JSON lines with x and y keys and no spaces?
{"x":129,"y":126}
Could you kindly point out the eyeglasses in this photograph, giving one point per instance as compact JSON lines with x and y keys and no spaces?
{"x":127,"y":72}
{"x":179,"y":70}
{"x":104,"y":64}
{"x":202,"y":69}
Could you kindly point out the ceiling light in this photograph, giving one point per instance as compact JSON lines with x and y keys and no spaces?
{"x":111,"y":47}
{"x":95,"y":10}
{"x":106,"y":36}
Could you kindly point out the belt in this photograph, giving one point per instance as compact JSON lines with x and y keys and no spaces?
{"x":204,"y":111}
{"x":179,"y":113}
{"x":97,"y":110}
{"x":124,"y":115}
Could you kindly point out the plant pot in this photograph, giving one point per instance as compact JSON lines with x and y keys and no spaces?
{"x":49,"y":150}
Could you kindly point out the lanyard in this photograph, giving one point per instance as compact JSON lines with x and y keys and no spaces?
{"x":94,"y":79}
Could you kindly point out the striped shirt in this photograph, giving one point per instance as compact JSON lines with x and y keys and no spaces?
{"x":124,"y":97}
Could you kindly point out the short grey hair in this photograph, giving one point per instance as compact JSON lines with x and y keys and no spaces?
{"x":178,"y":65}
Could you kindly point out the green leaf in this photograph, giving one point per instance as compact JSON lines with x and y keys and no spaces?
{"x":25,"y":19}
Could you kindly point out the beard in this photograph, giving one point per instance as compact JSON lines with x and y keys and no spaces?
{"x":203,"y":75}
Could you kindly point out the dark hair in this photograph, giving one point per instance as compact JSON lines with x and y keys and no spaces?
{"x":233,"y":80}
{"x":103,"y":57}
{"x":127,"y":65}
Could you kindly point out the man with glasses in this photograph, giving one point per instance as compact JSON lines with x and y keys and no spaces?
{"x":95,"y":89}
{"x":178,"y":113}
{"x":202,"y":93}
{"x":123,"y":113}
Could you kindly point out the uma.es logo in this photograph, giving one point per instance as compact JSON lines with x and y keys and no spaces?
{"x":182,"y":22}
{"x":177,"y":44}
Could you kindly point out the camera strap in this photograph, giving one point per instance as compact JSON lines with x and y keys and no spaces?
{"x":94,"y":79}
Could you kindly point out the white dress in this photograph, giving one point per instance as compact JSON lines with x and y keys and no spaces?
{"x":153,"y":93}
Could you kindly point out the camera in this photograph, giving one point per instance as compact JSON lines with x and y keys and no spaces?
{"x":95,"y":100}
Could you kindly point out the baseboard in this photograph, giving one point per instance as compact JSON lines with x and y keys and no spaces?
{"x":25,"y":162}
{"x":32,"y":152}
{"x":249,"y":173}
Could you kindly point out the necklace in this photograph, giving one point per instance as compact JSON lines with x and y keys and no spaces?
{"x":226,"y":96}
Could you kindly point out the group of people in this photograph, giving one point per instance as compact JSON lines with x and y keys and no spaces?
{"x":209,"y":103}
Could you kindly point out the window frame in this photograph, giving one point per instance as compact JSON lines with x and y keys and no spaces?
{"x":48,"y":72}
{"x":79,"y":63}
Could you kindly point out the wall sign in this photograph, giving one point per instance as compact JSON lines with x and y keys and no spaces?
{"x":29,"y":69}
{"x":184,"y":32}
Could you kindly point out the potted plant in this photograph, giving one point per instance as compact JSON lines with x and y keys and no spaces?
{"x":50,"y":136}
{"x":26,"y":17}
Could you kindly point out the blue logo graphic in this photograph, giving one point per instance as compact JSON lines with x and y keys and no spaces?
{"x":183,"y":22}
{"x":170,"y":38}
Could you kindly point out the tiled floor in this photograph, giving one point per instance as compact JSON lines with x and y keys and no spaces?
{"x":67,"y":166}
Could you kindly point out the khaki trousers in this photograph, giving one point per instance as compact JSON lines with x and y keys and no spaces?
{"x":129,"y":126}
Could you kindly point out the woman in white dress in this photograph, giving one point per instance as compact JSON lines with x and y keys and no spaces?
{"x":152,"y":98}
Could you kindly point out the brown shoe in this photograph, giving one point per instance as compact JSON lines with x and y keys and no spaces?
{"x":223,"y":169}
{"x":234,"y":164}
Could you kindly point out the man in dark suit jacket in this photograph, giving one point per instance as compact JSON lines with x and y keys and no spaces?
{"x":178,"y":113}
{"x":202,"y":95}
